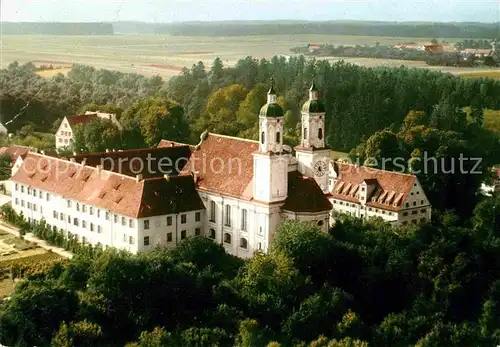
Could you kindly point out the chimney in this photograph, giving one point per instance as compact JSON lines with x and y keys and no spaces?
{"x":42,"y":152}
{"x":167,"y":177}
{"x":84,"y":161}
{"x":195,"y":175}
{"x":99,"y":168}
{"x":107,"y":150}
{"x":138,"y":177}
{"x":172,"y":144}
{"x":72,"y":160}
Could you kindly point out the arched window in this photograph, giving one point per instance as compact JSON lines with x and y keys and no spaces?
{"x":227,"y":238}
{"x":262,"y":137}
{"x":278,"y":137}
{"x":320,"y":133}
{"x":305,"y":133}
{"x":243,"y":243}
{"x":212,"y":233}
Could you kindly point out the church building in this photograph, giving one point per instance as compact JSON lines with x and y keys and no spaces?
{"x":232,"y":190}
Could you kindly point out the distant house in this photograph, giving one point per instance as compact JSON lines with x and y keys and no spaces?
{"x":313,"y":47}
{"x":65,"y":133}
{"x":495,"y":186}
{"x":478,"y":53}
{"x":434,"y":48}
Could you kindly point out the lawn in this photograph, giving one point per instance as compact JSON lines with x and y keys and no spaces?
{"x":167,"y":55}
{"x":492,"y":120}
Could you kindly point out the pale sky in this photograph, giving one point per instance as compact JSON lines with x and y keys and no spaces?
{"x":158,"y":11}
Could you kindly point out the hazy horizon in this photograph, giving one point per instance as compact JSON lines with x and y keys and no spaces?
{"x":157,"y":11}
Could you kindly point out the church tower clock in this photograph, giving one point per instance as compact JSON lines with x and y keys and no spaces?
{"x":312,"y":155}
{"x":270,"y":183}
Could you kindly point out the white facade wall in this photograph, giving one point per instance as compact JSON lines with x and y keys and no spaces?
{"x":261,"y":222}
{"x":64,"y":135}
{"x":96,"y":225}
{"x":417,"y":208}
{"x":169,"y":230}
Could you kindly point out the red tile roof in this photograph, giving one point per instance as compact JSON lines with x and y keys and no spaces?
{"x":390,"y":188}
{"x":168,"y":143}
{"x":150,"y":162}
{"x":81,"y":119}
{"x":304,"y":195}
{"x":224,"y":165}
{"x":14,"y":151}
{"x":108,"y":190}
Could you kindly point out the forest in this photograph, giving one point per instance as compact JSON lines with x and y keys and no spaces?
{"x":358,"y":28}
{"x":362,"y":284}
{"x":41,"y":28}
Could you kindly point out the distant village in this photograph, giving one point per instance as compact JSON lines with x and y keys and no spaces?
{"x":465,"y":53}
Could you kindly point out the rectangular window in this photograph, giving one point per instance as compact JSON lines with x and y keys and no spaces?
{"x":107,"y":215}
{"x":244,"y":220}
{"x":124,"y":221}
{"x":40,"y":195}
{"x":212,"y":211}
{"x":17,"y":201}
{"x":29,"y":205}
{"x":22,"y":203}
{"x":69,"y":219}
{"x":197,"y":216}
{"x":421,"y":202}
{"x":146,"y":240}
{"x":228,"y":216}
{"x":47,"y":197}
{"x":183,"y":234}
{"x":84,"y":208}
{"x":99,"y":229}
{"x":78,"y":207}
{"x":197,"y":231}
{"x":54,"y":214}
{"x":75,"y":221}
{"x":61,"y":216}
{"x":22,"y":189}
{"x":130,"y":223}
{"x":17,"y":186}
{"x":115,"y":218}
{"x":169,"y":237}
{"x":69,"y":203}
{"x":91,"y":226}
{"x":183,"y":219}
{"x":84,"y":224}
{"x":98,"y":213}
{"x":34,"y":193}
{"x":91,"y":210}
{"x":414,"y":212}
{"x":35,"y":208}
{"x":169,"y":220}
{"x":131,"y":240}
{"x":124,"y":238}
{"x":146,"y":225}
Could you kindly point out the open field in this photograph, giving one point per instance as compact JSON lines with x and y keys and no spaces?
{"x":488,"y":74}
{"x":53,"y":72}
{"x":167,"y":55}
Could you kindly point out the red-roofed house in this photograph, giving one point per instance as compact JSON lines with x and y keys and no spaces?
{"x":366,"y":192}
{"x":65,"y":133}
